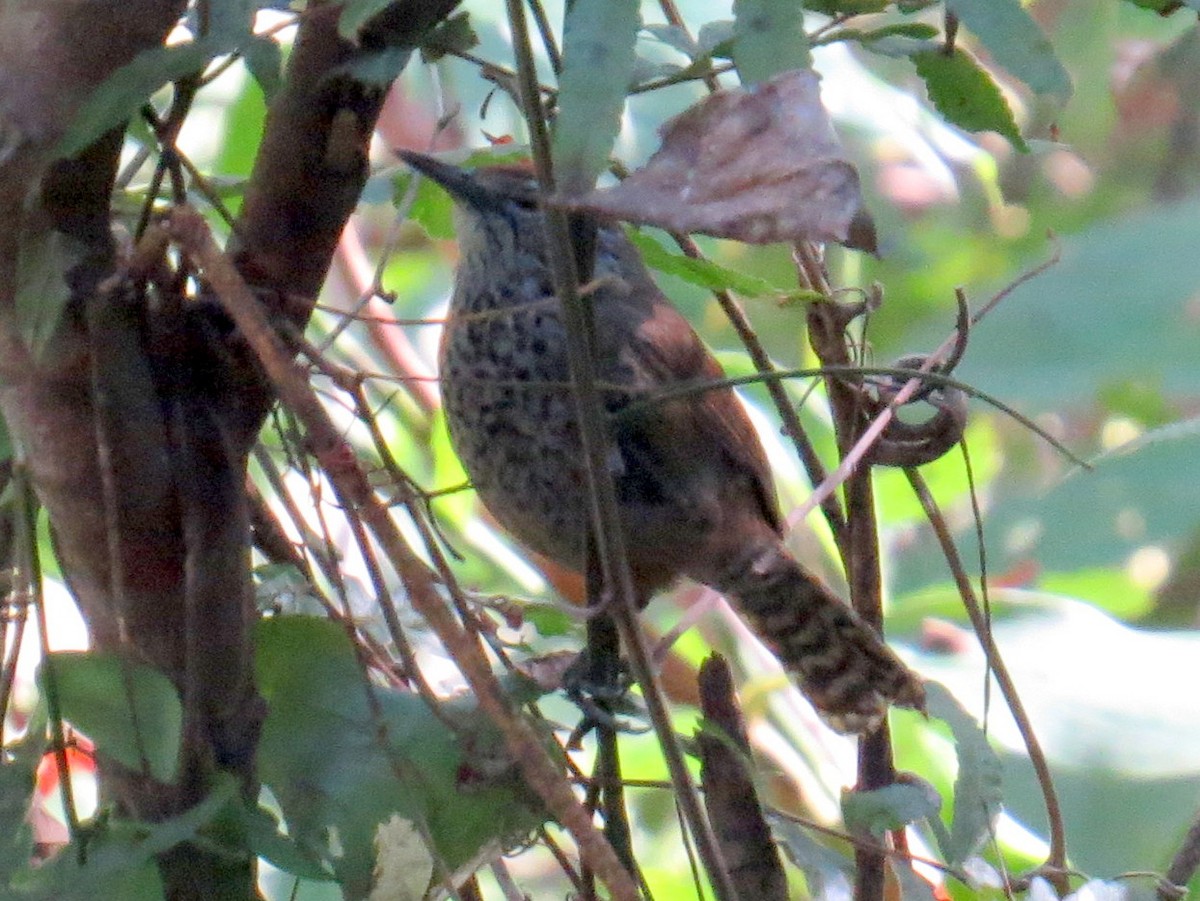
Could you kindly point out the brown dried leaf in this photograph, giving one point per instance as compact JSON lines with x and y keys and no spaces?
{"x":757,"y":164}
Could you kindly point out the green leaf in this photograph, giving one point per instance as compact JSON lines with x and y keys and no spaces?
{"x":121,"y":855}
{"x":892,"y":807}
{"x":769,"y":38}
{"x":704,"y":273}
{"x":1113,"y":591}
{"x":826,"y":872}
{"x":432,"y":208}
{"x":846,"y":7}
{"x":912,"y":886}
{"x":1016,"y":43}
{"x":978,"y":788}
{"x":716,"y":38}
{"x":676,"y":37}
{"x":1119,"y":304}
{"x":1166,"y":7}
{"x":356,"y":14}
{"x":130,"y":710}
{"x":115,"y":869}
{"x":16,"y":790}
{"x":239,"y":144}
{"x":1117,"y":716}
{"x":163,"y":836}
{"x":965,"y":94}
{"x":598,"y":60}
{"x":324,"y":759}
{"x":122,"y":94}
{"x":1141,"y":494}
{"x":231,"y":18}
{"x":1138,"y":397}
{"x":917,"y":31}
{"x":453,"y":34}
{"x":264,"y":839}
{"x":549,"y":619}
{"x":377,"y":67}
{"x":5,"y":442}
{"x":264,"y":62}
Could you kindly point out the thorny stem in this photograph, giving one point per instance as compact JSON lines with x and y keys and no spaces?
{"x":354,"y":491}
{"x":605,"y":514}
{"x":1056,"y":860}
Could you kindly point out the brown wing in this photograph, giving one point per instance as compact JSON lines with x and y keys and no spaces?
{"x":664,"y":353}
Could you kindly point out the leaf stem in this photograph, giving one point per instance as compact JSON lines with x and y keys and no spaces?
{"x":1056,"y":860}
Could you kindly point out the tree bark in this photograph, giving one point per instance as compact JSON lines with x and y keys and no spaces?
{"x":134,"y":422}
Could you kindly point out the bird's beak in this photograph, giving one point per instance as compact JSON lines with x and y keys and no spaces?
{"x":458,"y":183}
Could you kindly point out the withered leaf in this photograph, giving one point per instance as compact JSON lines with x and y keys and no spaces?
{"x":756,"y":164}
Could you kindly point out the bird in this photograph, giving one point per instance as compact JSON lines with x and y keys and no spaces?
{"x":692,"y":481}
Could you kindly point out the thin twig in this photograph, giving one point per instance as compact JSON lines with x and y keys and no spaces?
{"x":681,"y":77}
{"x":392,"y":342}
{"x":1183,"y":866}
{"x":564,"y":863}
{"x":859,"y":841}
{"x":671,"y":13}
{"x":1056,"y":860}
{"x":605,"y":515}
{"x":389,"y":462}
{"x":401,"y":768}
{"x":730,"y":795}
{"x":31,"y":581}
{"x":1051,"y":261}
{"x":14,"y":603}
{"x":546,"y":33}
{"x":876,"y":768}
{"x":788,"y":414}
{"x":925,"y":378}
{"x":370,"y":647}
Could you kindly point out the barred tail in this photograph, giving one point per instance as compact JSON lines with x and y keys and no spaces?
{"x":841,"y":663}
